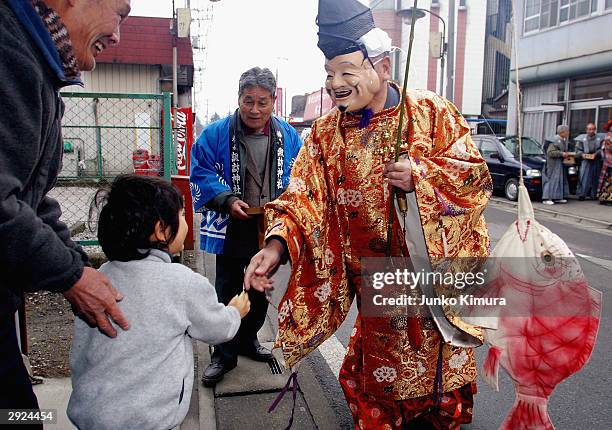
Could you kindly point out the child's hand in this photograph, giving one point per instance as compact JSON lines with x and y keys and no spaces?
{"x":242,"y":303}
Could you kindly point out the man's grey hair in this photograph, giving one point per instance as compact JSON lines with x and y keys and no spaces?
{"x":257,"y":77}
{"x":562,"y":128}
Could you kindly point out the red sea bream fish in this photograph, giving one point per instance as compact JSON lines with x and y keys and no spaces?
{"x":547,"y":330}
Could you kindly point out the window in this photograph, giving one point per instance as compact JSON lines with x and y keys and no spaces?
{"x":502,"y":73}
{"x":542,"y":14}
{"x":488,"y":147}
{"x":548,"y":13}
{"x":530,"y":147}
{"x":572,"y":9}
{"x":532,"y":15}
{"x":605,"y":115}
{"x":579,"y":119}
{"x":608,"y":4}
{"x":564,"y":11}
{"x":591,"y":87}
{"x":561,"y":91}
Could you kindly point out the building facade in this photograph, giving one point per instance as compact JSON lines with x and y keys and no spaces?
{"x":425,"y":67}
{"x":496,"y":76}
{"x":142,"y":62}
{"x":565,"y":66}
{"x":104,"y":131}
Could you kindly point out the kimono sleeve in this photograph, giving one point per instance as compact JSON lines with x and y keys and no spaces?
{"x":453,"y":184}
{"x":302,"y":207}
{"x":579,"y":148}
{"x":554,"y":152}
{"x":307,"y":220}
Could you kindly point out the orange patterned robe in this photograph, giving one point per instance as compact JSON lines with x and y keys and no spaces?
{"x":335,"y":212}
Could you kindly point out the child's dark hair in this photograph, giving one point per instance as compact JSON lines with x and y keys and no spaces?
{"x":134,"y":204}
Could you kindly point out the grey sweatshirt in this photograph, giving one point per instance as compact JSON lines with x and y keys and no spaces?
{"x":143,"y":378}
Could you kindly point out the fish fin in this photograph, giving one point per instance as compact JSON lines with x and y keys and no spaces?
{"x":528,"y":413}
{"x":490,"y":368}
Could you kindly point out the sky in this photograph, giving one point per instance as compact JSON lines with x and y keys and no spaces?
{"x":278,"y":34}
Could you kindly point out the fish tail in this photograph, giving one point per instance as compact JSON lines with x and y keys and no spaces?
{"x":528,"y":413}
{"x":490,"y":368}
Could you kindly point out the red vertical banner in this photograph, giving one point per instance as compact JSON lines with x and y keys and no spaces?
{"x":182,"y":182}
{"x":279,"y":102}
{"x":183,"y":122}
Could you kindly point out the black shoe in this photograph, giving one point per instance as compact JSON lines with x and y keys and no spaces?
{"x":581,"y":198}
{"x":257,"y":353}
{"x":214,"y":372}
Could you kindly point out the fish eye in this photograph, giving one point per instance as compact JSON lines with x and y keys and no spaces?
{"x":548,"y":258}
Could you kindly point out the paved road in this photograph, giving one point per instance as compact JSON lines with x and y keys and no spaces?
{"x":580,"y":402}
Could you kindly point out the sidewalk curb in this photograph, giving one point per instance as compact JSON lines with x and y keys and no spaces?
{"x":576,"y":218}
{"x":206,"y":396}
{"x":320,"y":410}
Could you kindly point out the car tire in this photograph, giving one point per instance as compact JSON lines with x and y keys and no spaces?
{"x":511,"y":189}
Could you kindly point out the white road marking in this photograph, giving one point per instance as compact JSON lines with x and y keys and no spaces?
{"x":333,"y":352}
{"x":606,"y":264}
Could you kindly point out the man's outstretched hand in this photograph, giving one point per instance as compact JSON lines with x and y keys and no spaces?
{"x":94,"y":299}
{"x":263,"y":265}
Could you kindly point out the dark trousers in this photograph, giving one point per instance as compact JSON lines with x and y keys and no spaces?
{"x":15,"y":387}
{"x":230,"y":276}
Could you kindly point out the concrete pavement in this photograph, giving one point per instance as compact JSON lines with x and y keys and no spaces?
{"x":242,"y":399}
{"x":54,"y":393}
{"x":588,"y":212}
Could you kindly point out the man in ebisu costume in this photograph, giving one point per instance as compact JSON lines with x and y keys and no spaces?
{"x":335,"y":212}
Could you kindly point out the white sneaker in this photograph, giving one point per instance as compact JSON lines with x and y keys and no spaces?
{"x":561,"y":201}
{"x":548,"y":202}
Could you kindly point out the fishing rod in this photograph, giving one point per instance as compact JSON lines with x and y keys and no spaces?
{"x":396,"y":192}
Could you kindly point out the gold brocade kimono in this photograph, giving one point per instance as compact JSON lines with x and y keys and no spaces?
{"x":335,"y":212}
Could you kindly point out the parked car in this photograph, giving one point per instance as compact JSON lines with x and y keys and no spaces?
{"x":501,"y":156}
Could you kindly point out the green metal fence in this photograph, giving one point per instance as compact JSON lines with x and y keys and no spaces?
{"x":101,"y":133}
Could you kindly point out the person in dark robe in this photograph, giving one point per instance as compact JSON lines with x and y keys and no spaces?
{"x":556,"y":187}
{"x":588,"y":150}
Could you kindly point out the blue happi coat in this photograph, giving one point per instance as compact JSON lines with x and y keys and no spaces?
{"x":217,"y":167}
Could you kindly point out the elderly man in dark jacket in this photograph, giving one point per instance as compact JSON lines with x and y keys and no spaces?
{"x":43,"y":47}
{"x":556,"y":187}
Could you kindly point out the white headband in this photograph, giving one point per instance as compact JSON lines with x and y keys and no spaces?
{"x":376,"y":42}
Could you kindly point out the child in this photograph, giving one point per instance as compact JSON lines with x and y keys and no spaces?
{"x":143,"y":378}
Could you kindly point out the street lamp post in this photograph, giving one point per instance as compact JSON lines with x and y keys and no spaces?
{"x":174,"y":59}
{"x":450,"y":74}
{"x":281,"y":112}
{"x":406,"y":15}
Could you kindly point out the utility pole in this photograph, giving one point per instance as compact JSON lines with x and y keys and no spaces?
{"x":174,"y":59}
{"x":450,"y":77}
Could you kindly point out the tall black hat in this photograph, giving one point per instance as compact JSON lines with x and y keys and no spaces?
{"x":341,"y":24}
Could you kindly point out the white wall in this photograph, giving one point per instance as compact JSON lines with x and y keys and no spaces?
{"x":120,"y":78}
{"x":474,"y":56}
{"x":474,"y":53}
{"x":583,"y":40}
{"x":417,"y":79}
